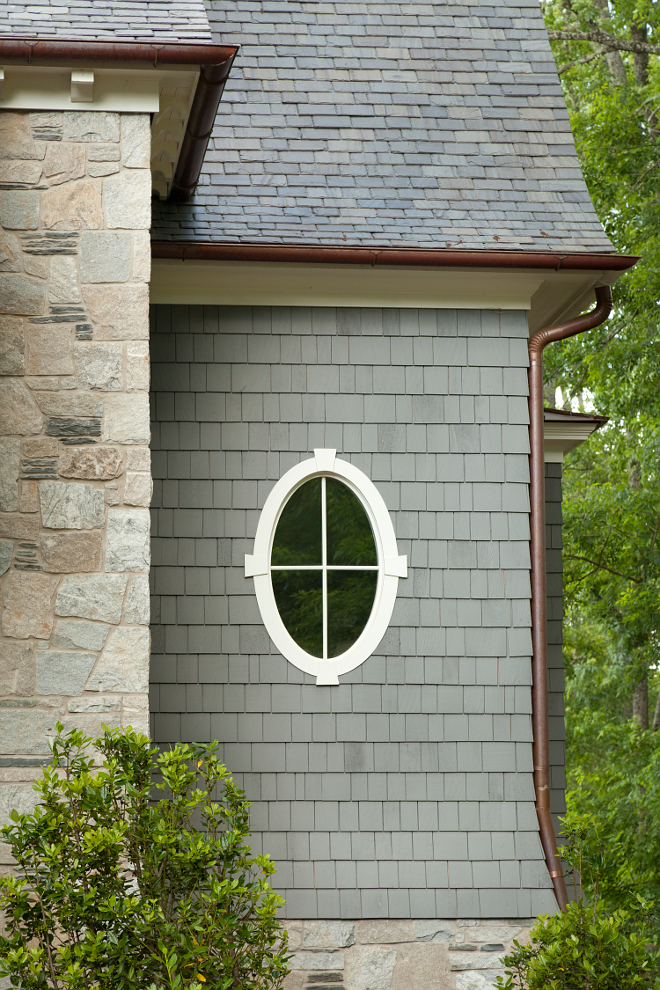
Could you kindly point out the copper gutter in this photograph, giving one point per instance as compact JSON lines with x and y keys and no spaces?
{"x":214,"y":62}
{"x":537,"y":343}
{"x":432,"y":257}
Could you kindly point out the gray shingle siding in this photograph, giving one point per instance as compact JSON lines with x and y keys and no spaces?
{"x":107,"y":20}
{"x":432,"y":125}
{"x":555,"y":606}
{"x":407,"y":790}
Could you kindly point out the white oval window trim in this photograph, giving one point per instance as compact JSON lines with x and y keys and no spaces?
{"x":391,"y":566}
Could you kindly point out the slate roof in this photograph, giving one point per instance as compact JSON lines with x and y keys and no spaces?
{"x":116,"y":20}
{"x":434,"y":124}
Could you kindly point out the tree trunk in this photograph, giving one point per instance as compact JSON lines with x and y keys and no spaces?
{"x":614,"y":59}
{"x":640,"y":702}
{"x":640,"y":59}
{"x":656,"y":714}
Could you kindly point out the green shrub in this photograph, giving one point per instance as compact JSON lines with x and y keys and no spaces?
{"x":604,"y":940}
{"x":117,"y":890}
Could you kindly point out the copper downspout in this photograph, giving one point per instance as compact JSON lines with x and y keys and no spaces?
{"x":214,"y":62}
{"x":537,"y":343}
{"x":373,"y":256}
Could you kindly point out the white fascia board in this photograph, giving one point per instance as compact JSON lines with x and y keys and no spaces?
{"x":561,"y":437}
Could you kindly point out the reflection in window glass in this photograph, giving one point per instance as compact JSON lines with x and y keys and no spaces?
{"x":299,"y":599}
{"x":350,"y":540}
{"x":324,"y":567}
{"x":298,"y":533}
{"x":350,"y":599}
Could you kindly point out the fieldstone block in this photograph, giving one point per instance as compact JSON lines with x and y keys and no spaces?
{"x":50,"y":349}
{"x":477,"y":981}
{"x":19,"y":414}
{"x":6,"y":551}
{"x":127,"y":540}
{"x":71,"y":553}
{"x":20,"y":296}
{"x":79,"y":634}
{"x":34,"y":264}
{"x":90,"y":126}
{"x":127,"y":198}
{"x":74,"y":206}
{"x":41,"y":447}
{"x":99,"y":365}
{"x":71,"y":427}
{"x":137,"y":366}
{"x":370,"y":967}
{"x":94,"y":705}
{"x":98,"y":170}
{"x":16,"y":527}
{"x":124,"y":663}
{"x":105,"y":256}
{"x":29,"y":497}
{"x":135,"y":140}
{"x":19,"y":209}
{"x":64,"y":162}
{"x":139,"y":459}
{"x":59,"y":672}
{"x":71,"y":506}
{"x":474,"y":960}
{"x":10,"y":462}
{"x":92,"y":596}
{"x":119,"y":312}
{"x":112,"y":495}
{"x":16,"y":797}
{"x":138,"y":604}
{"x":69,"y":403}
{"x":141,"y":255}
{"x":91,"y":463}
{"x":384,"y":930}
{"x":63,"y":285}
{"x":328,"y":934}
{"x":10,"y":253}
{"x":317,"y":960}
{"x":138,"y":488}
{"x":27,"y":173}
{"x":16,"y":139}
{"x":27,"y":605}
{"x":16,"y":669}
{"x":24,"y":731}
{"x":12,"y":346}
{"x":127,"y":418}
{"x":103,"y":153}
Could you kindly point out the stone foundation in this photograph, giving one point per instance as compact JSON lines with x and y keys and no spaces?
{"x":400,"y":955}
{"x":75,"y":480}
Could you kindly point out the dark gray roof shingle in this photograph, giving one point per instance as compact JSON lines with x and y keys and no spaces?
{"x":107,"y":20}
{"x":411,"y":124}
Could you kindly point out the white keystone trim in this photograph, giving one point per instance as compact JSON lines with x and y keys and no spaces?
{"x":391,"y":566}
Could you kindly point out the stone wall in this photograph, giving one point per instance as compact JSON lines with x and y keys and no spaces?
{"x":75,"y":481}
{"x":400,"y":955}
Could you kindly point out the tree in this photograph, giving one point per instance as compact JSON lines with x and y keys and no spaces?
{"x":114,"y":889}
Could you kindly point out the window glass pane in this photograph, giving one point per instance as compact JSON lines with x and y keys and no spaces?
{"x":350,"y":600}
{"x":350,"y":540}
{"x":299,"y":599}
{"x":298,"y":534}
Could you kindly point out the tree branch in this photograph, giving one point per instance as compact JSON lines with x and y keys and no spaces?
{"x":603,"y":567}
{"x":609,"y":41}
{"x":581,"y":61}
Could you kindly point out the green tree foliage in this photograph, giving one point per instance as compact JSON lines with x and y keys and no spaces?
{"x":603,"y":941}
{"x":114,"y":889}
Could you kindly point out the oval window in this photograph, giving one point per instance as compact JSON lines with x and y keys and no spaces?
{"x":325,"y":566}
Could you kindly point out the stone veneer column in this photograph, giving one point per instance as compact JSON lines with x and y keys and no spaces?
{"x":75,"y":480}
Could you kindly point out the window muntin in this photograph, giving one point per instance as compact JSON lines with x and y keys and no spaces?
{"x":352,"y":556}
{"x":324,"y":567}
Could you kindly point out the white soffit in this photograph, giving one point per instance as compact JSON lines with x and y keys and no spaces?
{"x":237,"y":283}
{"x":166,"y":93}
{"x":549,"y":296}
{"x":561,"y":435}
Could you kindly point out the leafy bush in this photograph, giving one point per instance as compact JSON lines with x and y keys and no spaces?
{"x":115,"y":889}
{"x":597,"y":944}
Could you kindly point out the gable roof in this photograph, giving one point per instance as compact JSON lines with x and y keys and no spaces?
{"x":107,"y":20}
{"x":410,"y":124}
